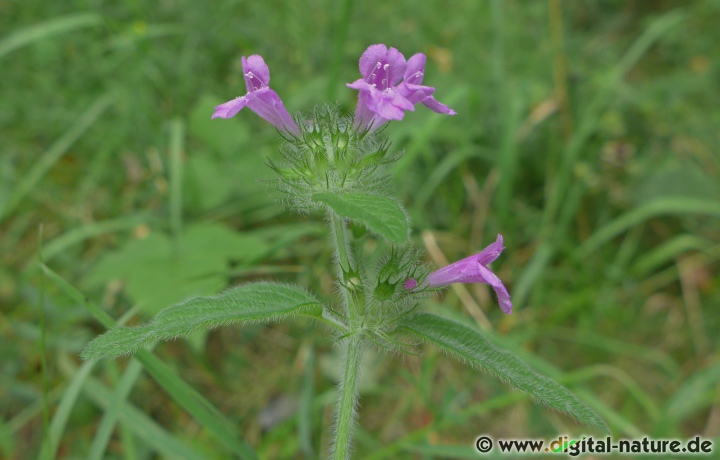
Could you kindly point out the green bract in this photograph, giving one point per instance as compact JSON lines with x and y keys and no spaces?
{"x":330,"y":156}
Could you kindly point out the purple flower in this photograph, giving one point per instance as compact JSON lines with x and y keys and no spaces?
{"x":382,"y":69}
{"x":382,"y":97}
{"x":411,"y":88}
{"x":260,"y":98}
{"x":472,"y":269}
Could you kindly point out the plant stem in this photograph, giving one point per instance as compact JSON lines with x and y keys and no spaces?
{"x":347,"y":388}
{"x":345,"y":410}
{"x":342,"y":244}
{"x":343,"y":256}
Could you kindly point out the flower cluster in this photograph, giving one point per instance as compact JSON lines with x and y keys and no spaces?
{"x":383,"y":96}
{"x":331,"y":152}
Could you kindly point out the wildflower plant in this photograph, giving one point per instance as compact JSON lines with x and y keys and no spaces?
{"x":336,"y":165}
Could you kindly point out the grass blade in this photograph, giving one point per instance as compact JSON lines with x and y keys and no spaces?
{"x":141,"y":425}
{"x":193,"y":402}
{"x":655,"y":208}
{"x":112,"y":411}
{"x":47,"y":29}
{"x":67,"y":402}
{"x":177,"y":133}
{"x":51,"y":156}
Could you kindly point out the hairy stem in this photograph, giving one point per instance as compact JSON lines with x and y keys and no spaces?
{"x":341,"y":240}
{"x":345,"y":410}
{"x":347,"y":388}
{"x":344,"y":259}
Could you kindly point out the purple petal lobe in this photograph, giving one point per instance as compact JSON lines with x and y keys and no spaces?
{"x":360,"y":85}
{"x":387,"y":104}
{"x":397,"y":65}
{"x":256,"y":72}
{"x":230,"y":108}
{"x":267,"y":104}
{"x":369,"y":59}
{"x":415,"y":93}
{"x":491,"y":252}
{"x":502,"y":293}
{"x":437,"y":107}
{"x":415,"y":69}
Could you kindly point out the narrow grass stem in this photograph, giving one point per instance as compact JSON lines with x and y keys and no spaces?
{"x":43,"y":346}
{"x":176,"y":170}
{"x":348,"y":391}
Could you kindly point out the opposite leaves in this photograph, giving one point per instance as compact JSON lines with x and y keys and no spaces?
{"x":382,"y":215}
{"x":247,"y":303}
{"x":469,"y":345}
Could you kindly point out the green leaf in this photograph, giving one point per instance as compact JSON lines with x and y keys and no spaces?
{"x":381,"y":214}
{"x":250,"y":302}
{"x":158,"y":271}
{"x":470,"y":346}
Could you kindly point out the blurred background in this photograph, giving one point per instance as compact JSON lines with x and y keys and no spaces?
{"x":587,"y":134}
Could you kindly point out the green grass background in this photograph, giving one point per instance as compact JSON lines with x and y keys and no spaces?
{"x":587,"y":134}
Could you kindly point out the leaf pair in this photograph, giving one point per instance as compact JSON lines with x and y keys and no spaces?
{"x":265,"y":301}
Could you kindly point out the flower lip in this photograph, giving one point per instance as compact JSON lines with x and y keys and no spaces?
{"x":256,"y":73}
{"x":415,"y":69}
{"x":382,"y":67}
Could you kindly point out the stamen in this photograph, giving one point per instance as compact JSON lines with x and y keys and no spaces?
{"x":373,"y":75}
{"x":384,"y":82}
{"x":255,"y":82}
{"x":416,"y":77}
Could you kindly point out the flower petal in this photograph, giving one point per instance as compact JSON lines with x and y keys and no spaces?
{"x":397,"y":63}
{"x":415,"y":69}
{"x":502,"y":293}
{"x":462,"y":271}
{"x":360,"y":85}
{"x":230,"y":108}
{"x":369,"y":59}
{"x":415,"y":93}
{"x":268,"y":105}
{"x":387,"y":104}
{"x":437,"y":107}
{"x":256,"y":72}
{"x":491,"y":252}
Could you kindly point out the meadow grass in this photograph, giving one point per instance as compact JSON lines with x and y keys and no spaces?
{"x":586,"y":134}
